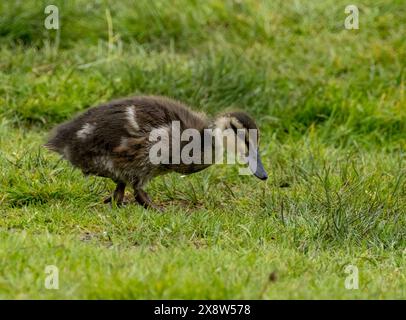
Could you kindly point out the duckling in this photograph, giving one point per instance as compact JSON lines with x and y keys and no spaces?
{"x":113,"y":140}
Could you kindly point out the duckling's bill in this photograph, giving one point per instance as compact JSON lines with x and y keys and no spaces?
{"x":256,"y":166}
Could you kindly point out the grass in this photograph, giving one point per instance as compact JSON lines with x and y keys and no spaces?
{"x":331,"y":106}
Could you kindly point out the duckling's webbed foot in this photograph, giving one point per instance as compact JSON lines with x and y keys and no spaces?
{"x":118,"y":194}
{"x":143,"y":199}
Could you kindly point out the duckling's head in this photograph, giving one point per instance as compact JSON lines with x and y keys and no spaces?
{"x":246,"y":134}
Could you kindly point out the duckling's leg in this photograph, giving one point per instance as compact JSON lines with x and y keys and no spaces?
{"x":118,"y":194}
{"x":143,"y":199}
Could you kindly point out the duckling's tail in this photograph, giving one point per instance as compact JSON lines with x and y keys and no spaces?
{"x":50,"y":146}
{"x":54,"y":141}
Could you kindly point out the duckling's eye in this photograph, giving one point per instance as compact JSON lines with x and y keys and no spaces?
{"x":233,"y":127}
{"x":246,"y":139}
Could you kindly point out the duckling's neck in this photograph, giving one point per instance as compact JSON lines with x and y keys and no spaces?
{"x":220,"y":122}
{"x":216,"y":136}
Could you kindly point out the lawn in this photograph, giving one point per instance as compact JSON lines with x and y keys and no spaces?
{"x":331,"y":106}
